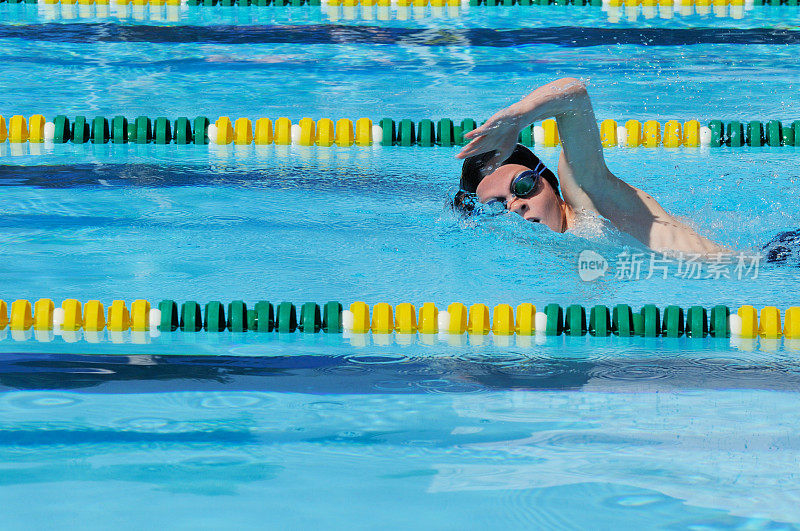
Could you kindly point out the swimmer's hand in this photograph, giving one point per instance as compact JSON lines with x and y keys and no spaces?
{"x":501,"y":131}
{"x":498,"y":134}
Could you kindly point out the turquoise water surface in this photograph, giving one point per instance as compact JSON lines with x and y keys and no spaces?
{"x":244,"y":431}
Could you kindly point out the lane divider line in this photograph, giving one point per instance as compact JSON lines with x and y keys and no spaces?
{"x":477,"y":319}
{"x":386,"y":132}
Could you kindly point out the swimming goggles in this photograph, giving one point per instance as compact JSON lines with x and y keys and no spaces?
{"x":524,"y":185}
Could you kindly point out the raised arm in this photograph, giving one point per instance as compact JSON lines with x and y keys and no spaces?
{"x":586,"y":182}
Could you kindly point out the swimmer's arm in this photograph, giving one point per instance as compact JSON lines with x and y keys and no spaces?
{"x":567,"y":100}
{"x":586,"y":181}
{"x":637,"y":213}
{"x":560,"y":99}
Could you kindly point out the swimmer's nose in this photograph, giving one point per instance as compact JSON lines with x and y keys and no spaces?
{"x":518,"y":206}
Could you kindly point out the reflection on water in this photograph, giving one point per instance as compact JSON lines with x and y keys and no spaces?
{"x":615,"y":12}
{"x":566,"y":36}
{"x":376,"y":373}
{"x":715,"y":456}
{"x":576,"y":458}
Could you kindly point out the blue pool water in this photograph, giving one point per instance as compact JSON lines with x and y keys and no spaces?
{"x":232,"y":431}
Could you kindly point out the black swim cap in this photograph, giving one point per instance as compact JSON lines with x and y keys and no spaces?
{"x":783,"y":247}
{"x":471,"y":174}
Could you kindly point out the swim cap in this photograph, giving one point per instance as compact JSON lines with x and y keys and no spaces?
{"x":783,"y":247}
{"x":471,"y":174}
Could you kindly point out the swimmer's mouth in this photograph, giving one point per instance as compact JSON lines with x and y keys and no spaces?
{"x":535,"y":220}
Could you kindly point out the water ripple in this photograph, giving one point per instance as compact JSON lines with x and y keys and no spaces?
{"x":229,"y":401}
{"x":377,"y":359}
{"x":43,"y":400}
{"x":639,"y":370}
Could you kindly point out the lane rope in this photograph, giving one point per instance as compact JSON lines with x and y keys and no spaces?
{"x":146,"y":319}
{"x":326,"y":132}
{"x":421,"y":3}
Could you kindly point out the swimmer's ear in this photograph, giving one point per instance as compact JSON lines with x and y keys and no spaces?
{"x":463,"y":203}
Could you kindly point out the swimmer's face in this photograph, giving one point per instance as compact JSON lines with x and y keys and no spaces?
{"x":544,"y":206}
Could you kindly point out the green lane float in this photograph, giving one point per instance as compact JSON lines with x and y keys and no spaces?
{"x":637,"y":320}
{"x":214,"y":317}
{"x":183,"y":131}
{"x":119,"y":130}
{"x":445,"y":132}
{"x":697,"y":322}
{"x":405,"y":133}
{"x":467,"y":125}
{"x":651,"y":320}
{"x":191,"y":317}
{"x":622,"y":320}
{"x":526,"y":136}
{"x":237,"y":316}
{"x":672,"y":325}
{"x":426,"y":134}
{"x":600,"y":321}
{"x":286,"y":320}
{"x":143,"y":130}
{"x":332,"y":318}
{"x":773,"y":135}
{"x":717,"y":129}
{"x":755,"y":134}
{"x":163,"y":131}
{"x":575,"y":321}
{"x":735,"y":136}
{"x":389,"y":131}
{"x":100,"y":131}
{"x":61,"y":132}
{"x":80,"y":130}
{"x":200,"y":131}
{"x":168,"y":316}
{"x":555,"y":320}
{"x":310,"y":318}
{"x":265,"y":317}
{"x":720,"y":321}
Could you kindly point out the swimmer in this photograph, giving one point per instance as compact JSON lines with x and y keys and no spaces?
{"x":506,"y":176}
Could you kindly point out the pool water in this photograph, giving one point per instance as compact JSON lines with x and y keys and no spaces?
{"x":231,"y":431}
